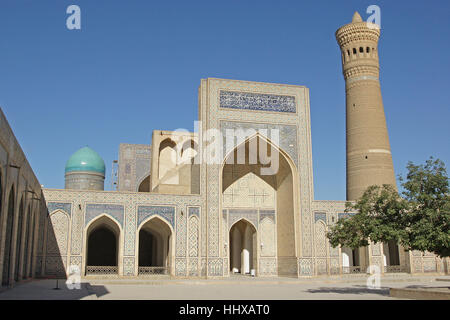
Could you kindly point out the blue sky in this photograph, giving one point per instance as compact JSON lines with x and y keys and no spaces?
{"x":136,"y":66}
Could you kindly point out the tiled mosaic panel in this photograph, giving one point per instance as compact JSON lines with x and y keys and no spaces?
{"x":267,"y":214}
{"x":321,"y":240}
{"x":267,"y":266}
{"x":305,"y":267}
{"x":342,"y":215}
{"x":77,"y":232}
{"x":57,"y":234}
{"x":203,"y":267}
{"x":180,"y":267}
{"x":128,"y":266}
{"x":193,"y":267}
{"x":114,"y":210}
{"x":168,"y":213}
{"x":194,"y":211}
{"x":320,"y":216}
{"x":226,"y":267}
{"x":181,"y":235}
{"x":53,"y":206}
{"x":321,"y":266}
{"x":237,"y":214}
{"x":257,"y":101}
{"x":334,"y":252}
{"x":215,"y":267}
{"x":193,"y":236}
{"x":334,"y":266}
{"x":225,"y":234}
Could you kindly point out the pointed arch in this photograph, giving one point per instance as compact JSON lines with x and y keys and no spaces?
{"x":258,"y":135}
{"x":167,"y":154}
{"x":27,"y":243}
{"x":144,"y":183}
{"x":103,"y":244}
{"x":58,"y":232}
{"x":245,"y":220}
{"x":283,"y":179}
{"x":188,"y":144}
{"x":19,"y":234}
{"x":243,"y":247}
{"x":7,"y":253}
{"x":155,"y":239}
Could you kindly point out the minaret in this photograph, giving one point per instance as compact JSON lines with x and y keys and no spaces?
{"x":369,"y":159}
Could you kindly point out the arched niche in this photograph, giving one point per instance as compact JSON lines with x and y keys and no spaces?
{"x":167,"y":173}
{"x":144,"y":185}
{"x":155,"y":246}
{"x":243,"y":247}
{"x":103,"y":245}
{"x":280,"y":175}
{"x":7,"y":252}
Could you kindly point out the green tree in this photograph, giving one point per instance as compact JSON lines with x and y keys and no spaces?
{"x":418,"y":219}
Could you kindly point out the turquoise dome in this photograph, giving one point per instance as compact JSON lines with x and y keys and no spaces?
{"x":85,"y":159}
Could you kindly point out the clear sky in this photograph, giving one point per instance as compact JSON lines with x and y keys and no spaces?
{"x":136,"y":65}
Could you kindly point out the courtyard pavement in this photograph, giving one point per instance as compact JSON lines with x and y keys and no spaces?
{"x":234,"y":288}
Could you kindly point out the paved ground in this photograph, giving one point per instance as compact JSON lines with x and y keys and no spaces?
{"x":233,"y":289}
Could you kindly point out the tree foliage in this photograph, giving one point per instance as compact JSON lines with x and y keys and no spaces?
{"x":417,"y":219}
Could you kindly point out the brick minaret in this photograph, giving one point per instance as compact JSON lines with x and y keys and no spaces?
{"x":369,"y":159}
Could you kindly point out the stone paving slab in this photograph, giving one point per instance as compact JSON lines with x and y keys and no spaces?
{"x":435,"y":293}
{"x":232,"y":289}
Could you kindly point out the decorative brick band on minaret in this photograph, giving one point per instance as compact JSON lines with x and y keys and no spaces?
{"x":369,"y":159}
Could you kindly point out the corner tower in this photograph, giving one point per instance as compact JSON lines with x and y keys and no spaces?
{"x":369,"y":159}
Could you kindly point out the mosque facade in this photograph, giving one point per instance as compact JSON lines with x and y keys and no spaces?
{"x":233,"y":197}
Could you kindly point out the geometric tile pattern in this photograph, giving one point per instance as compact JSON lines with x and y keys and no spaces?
{"x":181,"y":235}
{"x":66,"y":207}
{"x":194,"y":211}
{"x":320,"y":216}
{"x":147,"y":211}
{"x":95,"y":209}
{"x":237,"y":214}
{"x":305,"y":267}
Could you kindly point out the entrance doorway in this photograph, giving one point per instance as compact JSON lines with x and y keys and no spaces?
{"x":103,"y":247}
{"x":243,"y":248}
{"x":155,"y":247}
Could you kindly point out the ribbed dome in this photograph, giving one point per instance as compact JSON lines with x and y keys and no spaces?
{"x":85,"y":159}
